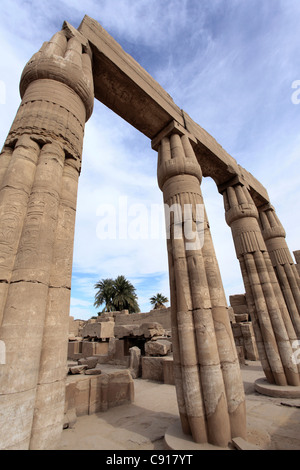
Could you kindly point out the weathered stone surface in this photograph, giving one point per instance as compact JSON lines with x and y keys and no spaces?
{"x":39,"y":169}
{"x":282,"y":261}
{"x":70,"y":419}
{"x":135,"y":366}
{"x":161,"y":316}
{"x":79,"y":369}
{"x":274,"y":329}
{"x":95,"y":371}
{"x":203,"y":349}
{"x":159,"y":347}
{"x":241,"y":317}
{"x":231,"y":314}
{"x":152,"y":368}
{"x":249,"y":343}
{"x":150,"y":329}
{"x":147,"y":329}
{"x":96,"y":393}
{"x":91,"y":348}
{"x":168,"y":371}
{"x":99,"y":330}
{"x":37,"y":206}
{"x":90,"y":362}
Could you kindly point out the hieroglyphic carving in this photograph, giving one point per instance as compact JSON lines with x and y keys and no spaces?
{"x":272,"y":323}
{"x":203,"y":348}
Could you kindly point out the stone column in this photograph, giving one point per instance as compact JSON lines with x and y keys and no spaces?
{"x":39,"y":169}
{"x":282,"y":261}
{"x":273,"y":328}
{"x":206,"y":370}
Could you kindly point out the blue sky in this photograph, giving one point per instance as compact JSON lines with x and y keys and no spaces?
{"x":230,"y":64}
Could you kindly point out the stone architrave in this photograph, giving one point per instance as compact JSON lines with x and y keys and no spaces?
{"x":272,"y":324}
{"x":282,"y":261}
{"x":40,"y":164}
{"x":206,"y":369}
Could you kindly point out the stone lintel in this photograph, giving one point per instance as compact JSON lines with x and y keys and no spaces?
{"x":72,"y":32}
{"x":125,"y":87}
{"x":173,"y":128}
{"x":266,"y":207}
{"x":237,"y":179}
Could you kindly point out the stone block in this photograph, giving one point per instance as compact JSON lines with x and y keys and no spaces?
{"x":152,"y":368}
{"x":241,"y":355}
{"x":74,"y":350}
{"x":241,"y":317}
{"x":160,"y":347}
{"x":95,"y":393}
{"x":135,"y":366}
{"x":150,"y":329}
{"x":236,"y":330}
{"x":92,"y":348}
{"x":238,"y":299}
{"x":98,"y":394}
{"x":240,"y":309}
{"x":79,"y":369}
{"x":168,"y":371}
{"x":121,"y":331}
{"x":70,"y":419}
{"x":95,"y":371}
{"x":100,"y":330}
{"x":250,"y":347}
{"x":231,"y":315}
{"x":81,"y":396}
{"x":90,"y":362}
{"x":120,"y":388}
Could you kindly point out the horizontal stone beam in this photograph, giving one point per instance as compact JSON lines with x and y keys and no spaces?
{"x":127,"y":89}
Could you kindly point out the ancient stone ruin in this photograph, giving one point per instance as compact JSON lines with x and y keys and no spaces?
{"x":39,"y":170}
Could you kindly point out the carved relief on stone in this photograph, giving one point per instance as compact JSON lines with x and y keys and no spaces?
{"x":210,"y":409}
{"x":273,"y":326}
{"x":57,"y":94}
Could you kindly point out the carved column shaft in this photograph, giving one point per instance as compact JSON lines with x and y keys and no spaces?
{"x":282,"y":262}
{"x":40,"y":168}
{"x":273,"y":326}
{"x":211,"y":403}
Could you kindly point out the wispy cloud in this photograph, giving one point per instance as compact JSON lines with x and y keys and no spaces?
{"x":227,"y":63}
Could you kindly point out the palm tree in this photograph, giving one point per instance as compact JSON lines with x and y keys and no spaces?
{"x":124,"y":295}
{"x":117,"y":294}
{"x":105,"y":294}
{"x":158,"y":301}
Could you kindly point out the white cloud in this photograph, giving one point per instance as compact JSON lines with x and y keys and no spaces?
{"x":229,"y":64}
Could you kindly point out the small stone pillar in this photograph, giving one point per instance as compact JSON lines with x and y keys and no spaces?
{"x":206,"y":369}
{"x":39,"y":168}
{"x":273,"y":327}
{"x":282,"y":261}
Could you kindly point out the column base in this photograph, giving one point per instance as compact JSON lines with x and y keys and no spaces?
{"x":175,"y":439}
{"x":277,"y":391}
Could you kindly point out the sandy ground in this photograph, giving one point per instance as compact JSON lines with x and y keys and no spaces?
{"x":272,"y":423}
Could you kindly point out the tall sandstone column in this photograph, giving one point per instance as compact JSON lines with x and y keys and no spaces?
{"x":39,"y":169}
{"x":282,"y":261}
{"x":273,"y":327}
{"x":207,"y":375}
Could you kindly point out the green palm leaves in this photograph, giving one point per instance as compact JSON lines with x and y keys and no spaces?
{"x":117,"y":294}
